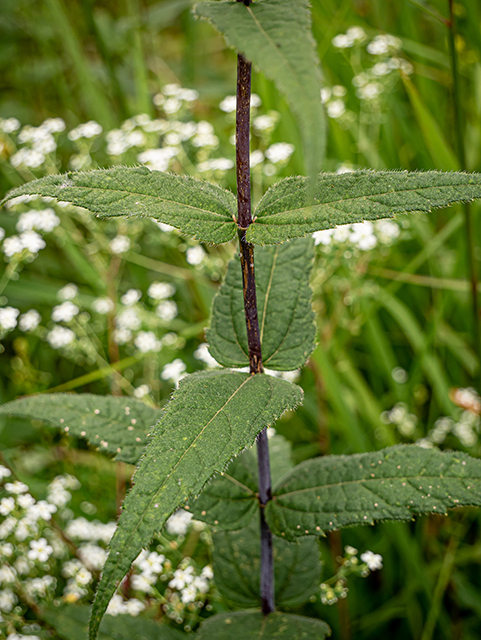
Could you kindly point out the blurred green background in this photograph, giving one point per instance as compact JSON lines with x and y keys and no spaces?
{"x":396,"y":326}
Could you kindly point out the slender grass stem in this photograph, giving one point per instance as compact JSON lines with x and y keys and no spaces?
{"x":469,"y":224}
{"x":244,"y":219}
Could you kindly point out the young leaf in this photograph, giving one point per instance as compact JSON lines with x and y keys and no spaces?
{"x":71,"y":623}
{"x":112,"y":424}
{"x":197,"y":208}
{"x":286,"y":320}
{"x":230,"y":502}
{"x":297,"y":568}
{"x":284,"y":211}
{"x":253,"y":625}
{"x":211,"y":418}
{"x":392,"y":484}
{"x":275,"y":35}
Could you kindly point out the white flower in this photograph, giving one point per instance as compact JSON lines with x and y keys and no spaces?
{"x":16,"y":487}
{"x":279,"y":152}
{"x":120,"y":244}
{"x":116,"y":606}
{"x":87,"y":130}
{"x":7,"y":574}
{"x":160,"y":290}
{"x":207,"y":572}
{"x":7,"y":526}
{"x":4,"y":472}
{"x":102,"y":305}
{"x":341,"y":233}
{"x":68,"y":292}
{"x":45,"y":220}
{"x":9,"y":125}
{"x":263,"y":123}
{"x":143,"y":582}
{"x":71,"y":568}
{"x":342,"y":41}
{"x":205,"y":135}
{"x":325,"y":94}
{"x":362,"y":235}
{"x":42,"y":509}
{"x":167,"y":310}
{"x":228,"y":104}
{"x":158,"y":159}
{"x":53,"y":125}
{"x":12,"y":246}
{"x":256,"y":158}
{"x":370,"y":91}
{"x":83,"y":577}
{"x":25,"y":529}
{"x":381,"y":69}
{"x":356,"y":33}
{"x":178,"y":523}
{"x":8,"y":318}
{"x":344,"y":168}
{"x":202,"y":354}
{"x":373,"y":560}
{"x":387,"y":230}
{"x":146,"y":341}
{"x":150,"y":562}
{"x":128,"y":319}
{"x":7,"y":600}
{"x":182,"y":577}
{"x":188,"y":594}
{"x":7,"y":505}
{"x":32,"y":241}
{"x":133,"y":607}
{"x":131,"y":297}
{"x":216,"y":164}
{"x":201,"y":584}
{"x":6,"y":549}
{"x":195,"y":255}
{"x":25,"y":500}
{"x":29,"y":321}
{"x":255,"y":101}
{"x":122,"y":336}
{"x":174,"y":371}
{"x":141,"y":391}
{"x":65,"y":312}
{"x":60,"y":337}
{"x":28,"y":157}
{"x":323,"y":237}
{"x":336,"y":108}
{"x":39,"y":550}
{"x":2,"y":233}
{"x":59,"y":497}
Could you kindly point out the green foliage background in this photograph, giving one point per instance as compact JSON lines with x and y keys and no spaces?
{"x":404,"y":308}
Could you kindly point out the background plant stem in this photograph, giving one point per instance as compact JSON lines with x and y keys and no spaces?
{"x":469,"y":224}
{"x":244,"y":219}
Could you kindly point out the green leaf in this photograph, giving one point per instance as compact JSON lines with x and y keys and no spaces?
{"x":286,"y":320}
{"x":197,"y":208}
{"x":71,"y":623}
{"x":392,"y":484}
{"x":212,"y":417}
{"x":112,"y":424}
{"x":297,"y":567}
{"x":252,"y":625}
{"x":276,"y":36}
{"x":284,"y":211}
{"x":230,"y":502}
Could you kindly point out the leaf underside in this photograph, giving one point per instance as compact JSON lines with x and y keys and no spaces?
{"x":112,"y":424}
{"x":284,"y":212}
{"x":71,"y":623}
{"x":297,"y":567}
{"x":286,"y":320}
{"x":197,"y":208}
{"x":253,"y":625}
{"x":392,"y":484}
{"x":212,"y":417}
{"x":275,"y":35}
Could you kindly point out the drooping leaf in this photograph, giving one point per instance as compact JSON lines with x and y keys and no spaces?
{"x":297,"y":567}
{"x":276,"y":36}
{"x":113,"y":424}
{"x":286,"y":320}
{"x":212,"y":417}
{"x":252,"y":625}
{"x":71,"y":623}
{"x":230,"y":502}
{"x":284,"y":211}
{"x":392,"y":484}
{"x":197,"y":208}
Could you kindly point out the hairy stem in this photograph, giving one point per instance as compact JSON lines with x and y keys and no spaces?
{"x":468,"y":218}
{"x":244,"y":219}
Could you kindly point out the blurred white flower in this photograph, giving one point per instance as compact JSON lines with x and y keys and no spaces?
{"x":28,"y":157}
{"x":41,"y":220}
{"x":8,"y":318}
{"x":131,"y":297}
{"x":158,"y":159}
{"x":141,"y":391}
{"x":279,"y":152}
{"x":119,"y":244}
{"x":4,"y":472}
{"x":10,"y":125}
{"x":167,"y":310}
{"x":256,"y":158}
{"x":60,"y":337}
{"x":128,"y":319}
{"x":39,"y":550}
{"x":182,"y":577}
{"x":336,"y":108}
{"x":16,"y":487}
{"x":195,"y":255}
{"x":65,"y":312}
{"x":102,"y":305}
{"x":89,"y":129}
{"x":202,"y":353}
{"x":160,"y":290}
{"x":68,"y":292}
{"x":146,"y":341}
{"x":7,"y":505}
{"x":215,"y":164}
{"x":373,"y":560}
{"x":228,"y":104}
{"x":178,"y":523}
{"x":174,"y":371}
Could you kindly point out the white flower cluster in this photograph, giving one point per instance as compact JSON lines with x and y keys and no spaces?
{"x":174,"y":97}
{"x":229,"y":103}
{"x":400,"y":417}
{"x":353,"y":35}
{"x":361,"y":235}
{"x":40,"y":138}
{"x":31,"y":241}
{"x":89,"y":129}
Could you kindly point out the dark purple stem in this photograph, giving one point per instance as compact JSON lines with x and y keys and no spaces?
{"x":244,"y":219}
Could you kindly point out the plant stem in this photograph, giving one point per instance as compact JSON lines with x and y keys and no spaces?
{"x":244,"y":219}
{"x":469,"y":224}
